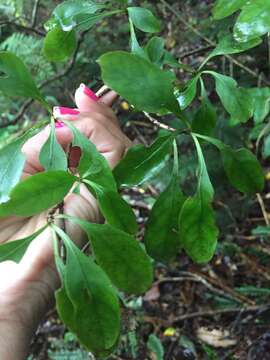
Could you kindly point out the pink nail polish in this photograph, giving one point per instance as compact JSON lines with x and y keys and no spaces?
{"x":59,"y":124}
{"x":61,"y":110}
{"x":88,"y":92}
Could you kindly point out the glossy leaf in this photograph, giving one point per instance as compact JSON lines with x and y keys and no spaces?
{"x":243,"y":170}
{"x":228,"y":45}
{"x":204,"y":121}
{"x":18,"y":80}
{"x":253,"y":21}
{"x":71,"y":13}
{"x":141,"y":162}
{"x":120,"y":255}
{"x":223,"y":8}
{"x":52,"y":156}
{"x":59,"y":45}
{"x":38,"y":193}
{"x":131,"y":76}
{"x":87,"y":302}
{"x":12,"y":163}
{"x":236,"y":101}
{"x":161,"y":233}
{"x":205,"y":189}
{"x":155,"y":49}
{"x":115,"y":209}
{"x":197,"y":230}
{"x":135,"y":46}
{"x":261,"y":103}
{"x":92,"y":166}
{"x":241,"y":166}
{"x":14,"y":250}
{"x":144,"y":19}
{"x":186,"y":97}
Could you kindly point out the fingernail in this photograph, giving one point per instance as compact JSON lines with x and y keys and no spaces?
{"x":88,"y":92}
{"x":59,"y":124}
{"x":60,"y":110}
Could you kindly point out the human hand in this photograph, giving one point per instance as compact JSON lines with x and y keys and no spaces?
{"x":27,"y":288}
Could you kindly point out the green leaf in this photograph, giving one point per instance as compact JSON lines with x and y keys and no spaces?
{"x":92,"y":166}
{"x":161,"y":233}
{"x":38,"y":193}
{"x":12,"y":163}
{"x":120,"y":255}
{"x":72,"y":13}
{"x":155,"y":49}
{"x":135,"y":46}
{"x":115,"y":209}
{"x":243,"y":170}
{"x":205,"y":189}
{"x":266,"y":147}
{"x":131,"y":76}
{"x":155,"y":345}
{"x":144,"y":19}
{"x":17,"y":80}
{"x":253,"y":21}
{"x":197,"y":230}
{"x":141,"y":162}
{"x":236,"y":101}
{"x":59,"y":45}
{"x":223,"y":8}
{"x":204,"y":121}
{"x":186,"y":97}
{"x":241,"y":166}
{"x":261,"y":103}
{"x":87,"y":302}
{"x":228,"y":45}
{"x":14,"y":250}
{"x":52,"y":156}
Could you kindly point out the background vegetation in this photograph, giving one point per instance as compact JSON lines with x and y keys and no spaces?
{"x":192,"y":311}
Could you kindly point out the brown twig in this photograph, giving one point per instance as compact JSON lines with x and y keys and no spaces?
{"x":263,"y":209}
{"x":256,"y":308}
{"x":23,"y":27}
{"x":158,"y":124}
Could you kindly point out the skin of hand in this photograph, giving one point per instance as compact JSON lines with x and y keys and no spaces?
{"x":27,"y":288}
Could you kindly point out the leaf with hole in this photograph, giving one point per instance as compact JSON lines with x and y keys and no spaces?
{"x":17,"y":80}
{"x":92,"y":166}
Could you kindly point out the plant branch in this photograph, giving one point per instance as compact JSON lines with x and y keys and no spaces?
{"x":23,"y":27}
{"x":56,"y":77}
{"x":211,"y":42}
{"x":158,"y":124}
{"x":256,"y":308}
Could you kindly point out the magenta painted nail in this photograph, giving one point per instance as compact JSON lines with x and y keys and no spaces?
{"x":88,"y":92}
{"x":60,"y":111}
{"x":59,"y":124}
